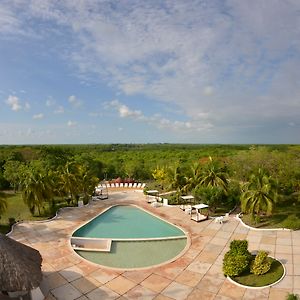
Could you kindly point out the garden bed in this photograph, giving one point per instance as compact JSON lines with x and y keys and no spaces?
{"x":271,"y":277}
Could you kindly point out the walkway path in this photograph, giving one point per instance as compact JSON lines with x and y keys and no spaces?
{"x":195,"y":275}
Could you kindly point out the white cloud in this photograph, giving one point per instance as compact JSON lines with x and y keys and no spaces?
{"x":14,"y":103}
{"x":159,"y":121}
{"x":74,"y":101}
{"x":59,"y":110}
{"x":71,"y":123}
{"x":38,"y":116}
{"x":229,"y":62}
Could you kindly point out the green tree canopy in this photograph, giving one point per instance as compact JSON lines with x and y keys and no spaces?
{"x":259,"y":194}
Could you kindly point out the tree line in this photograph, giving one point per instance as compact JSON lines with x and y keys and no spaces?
{"x":258,"y":176}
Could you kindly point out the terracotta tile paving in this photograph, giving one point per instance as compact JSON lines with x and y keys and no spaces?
{"x":156,"y":283}
{"x":195,"y":275}
{"x":120,"y":285}
{"x":170,"y":272}
{"x":251,"y":294}
{"x":162,"y":297}
{"x":189,"y":278}
{"x":82,"y":298}
{"x":140,"y":292}
{"x":199,"y":267}
{"x":55,"y":280}
{"x":201,"y":295}
{"x":177,"y":291}
{"x":103,"y":276}
{"x":137,"y":276}
{"x":102,"y":293}
{"x":231,"y":290}
{"x":211,"y":283}
{"x":84,"y":285}
{"x":296,"y":269}
{"x":66,"y":292}
{"x":71,"y":273}
{"x":277,"y":294}
{"x":296,"y":282}
{"x":285,"y":283}
{"x":206,"y":257}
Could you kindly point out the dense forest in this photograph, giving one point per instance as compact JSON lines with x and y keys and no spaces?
{"x":259,"y":177}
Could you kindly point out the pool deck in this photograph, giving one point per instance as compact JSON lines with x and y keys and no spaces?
{"x":195,"y":275}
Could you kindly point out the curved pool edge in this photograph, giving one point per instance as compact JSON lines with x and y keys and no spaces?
{"x":187,"y":246}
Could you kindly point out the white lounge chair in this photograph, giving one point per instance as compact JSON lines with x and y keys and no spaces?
{"x":121,"y":184}
{"x":134,"y":185}
{"x":125,"y":184}
{"x":143,"y":185}
{"x":130,"y":184}
{"x":139,"y":185}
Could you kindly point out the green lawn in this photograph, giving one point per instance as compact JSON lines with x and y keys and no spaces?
{"x":285,"y":215}
{"x":274,"y":274}
{"x":17,"y":209}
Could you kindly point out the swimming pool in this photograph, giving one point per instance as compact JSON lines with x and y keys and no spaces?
{"x":139,"y":239}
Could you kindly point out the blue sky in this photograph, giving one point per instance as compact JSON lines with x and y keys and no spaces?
{"x":149,"y":71}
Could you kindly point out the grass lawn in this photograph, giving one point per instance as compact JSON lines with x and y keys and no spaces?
{"x":274,"y":274}
{"x":17,"y":209}
{"x":285,"y":215}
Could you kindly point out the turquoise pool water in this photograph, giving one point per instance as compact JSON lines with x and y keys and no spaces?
{"x":136,"y":254}
{"x":129,"y":222}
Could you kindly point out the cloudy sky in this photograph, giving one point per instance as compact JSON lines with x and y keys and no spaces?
{"x":134,"y":71}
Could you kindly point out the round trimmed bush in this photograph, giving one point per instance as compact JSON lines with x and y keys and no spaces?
{"x":237,"y":259}
{"x":235,"y":264}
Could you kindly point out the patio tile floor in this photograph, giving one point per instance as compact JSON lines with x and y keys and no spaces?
{"x":197,"y":274}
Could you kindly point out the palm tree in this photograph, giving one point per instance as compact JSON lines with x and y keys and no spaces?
{"x":214,"y":176}
{"x":68,"y":181}
{"x":175,"y":178}
{"x":87,"y":183}
{"x":194,"y":178}
{"x":36,"y":190}
{"x":259,"y":194}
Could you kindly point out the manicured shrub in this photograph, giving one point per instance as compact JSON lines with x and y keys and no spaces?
{"x":261,"y":264}
{"x":235,"y":264}
{"x":239,"y":247}
{"x":237,"y":259}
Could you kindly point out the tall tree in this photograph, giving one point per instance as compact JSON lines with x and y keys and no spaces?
{"x":68,"y":181}
{"x":86,"y":183}
{"x":194,"y":177}
{"x":259,"y":194}
{"x":13,"y":170}
{"x":214,"y":175}
{"x":37,"y":187}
